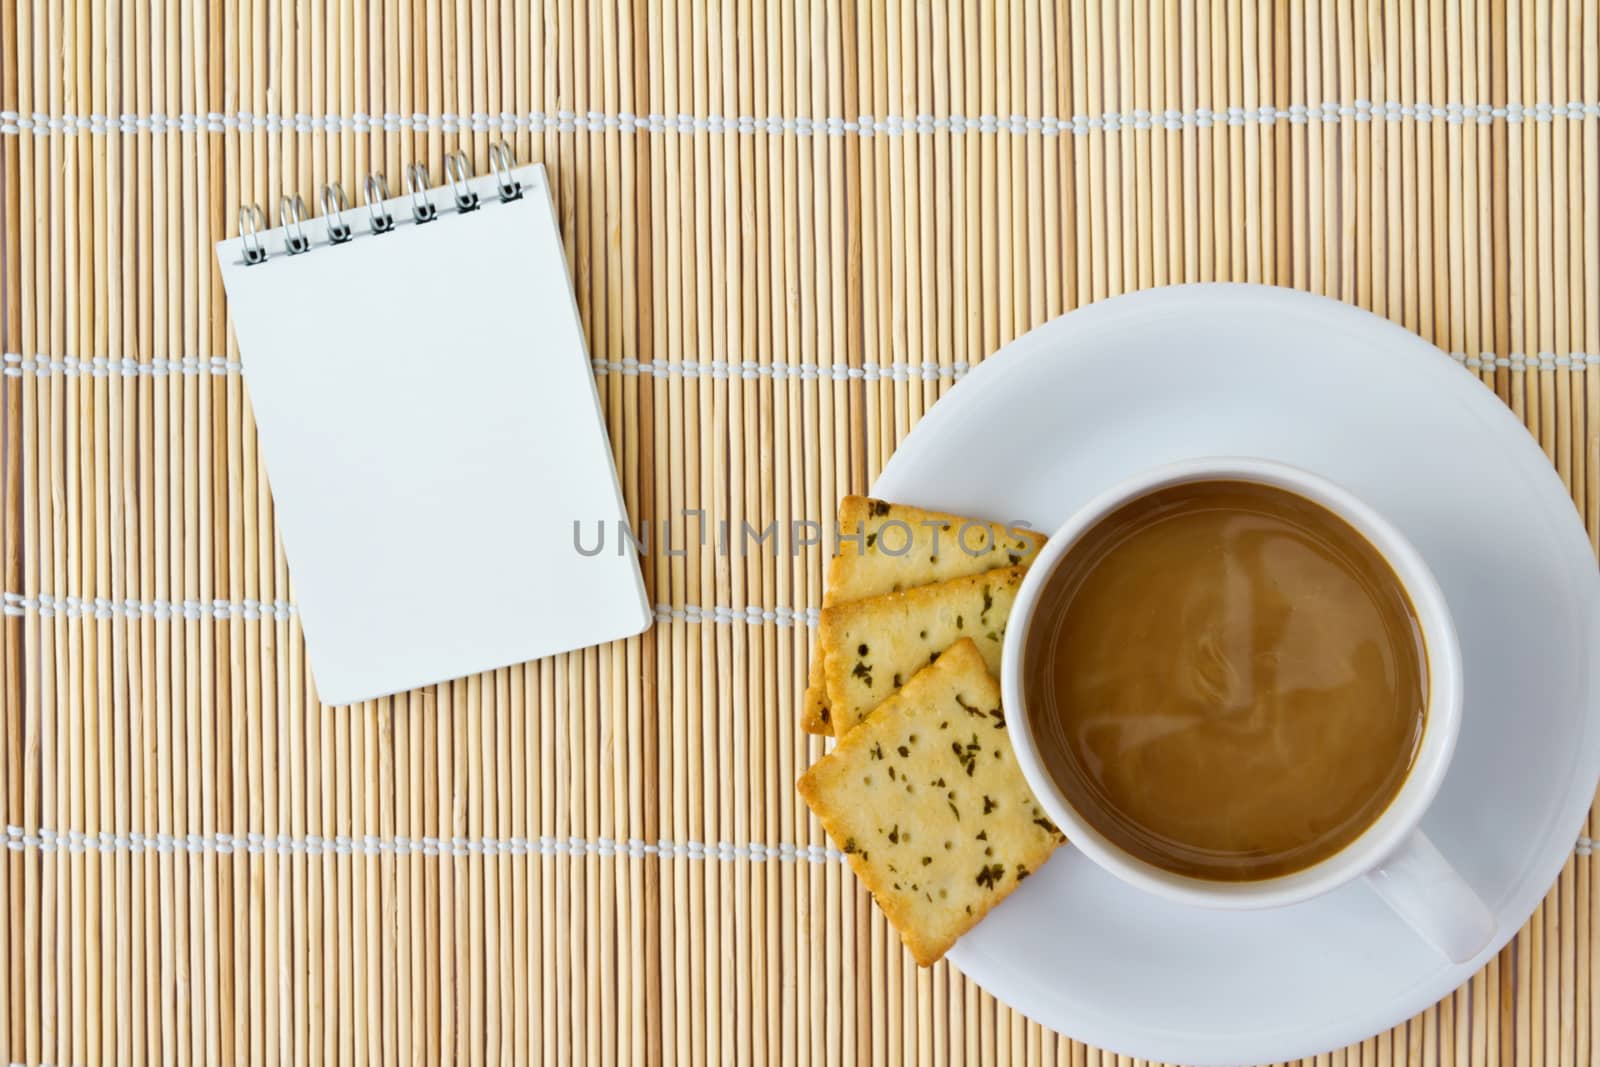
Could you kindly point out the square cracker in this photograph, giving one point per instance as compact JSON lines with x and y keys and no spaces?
{"x":939,"y":547}
{"x":815,"y":715}
{"x":872,"y":647}
{"x":929,"y":805}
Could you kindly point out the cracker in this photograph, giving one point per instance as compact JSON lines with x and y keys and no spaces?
{"x":937,"y":547}
{"x":871,"y":561}
{"x":872,"y":647}
{"x":815,"y":716}
{"x":929,"y":805}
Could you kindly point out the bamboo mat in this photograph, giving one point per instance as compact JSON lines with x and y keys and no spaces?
{"x":791,"y":227}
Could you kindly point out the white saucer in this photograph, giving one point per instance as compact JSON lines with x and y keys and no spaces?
{"x":1251,"y":371}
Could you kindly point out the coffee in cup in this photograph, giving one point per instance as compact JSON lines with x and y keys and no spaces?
{"x":1226,"y":679}
{"x":1233,"y":684}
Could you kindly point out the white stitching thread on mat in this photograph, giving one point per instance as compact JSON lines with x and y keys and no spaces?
{"x":75,"y":607}
{"x":752,"y":615}
{"x":749,"y":370}
{"x":99,"y":367}
{"x":564,"y":121}
{"x":19,"y":839}
{"x":1518,"y":361}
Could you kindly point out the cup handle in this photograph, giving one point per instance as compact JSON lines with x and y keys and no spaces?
{"x":1425,"y":891}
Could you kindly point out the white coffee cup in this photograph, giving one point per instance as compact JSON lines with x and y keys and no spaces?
{"x":1400,"y":864}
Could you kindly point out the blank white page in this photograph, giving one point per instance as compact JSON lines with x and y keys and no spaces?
{"x":428,"y":417}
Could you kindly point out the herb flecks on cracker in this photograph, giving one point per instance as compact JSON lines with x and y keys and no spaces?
{"x":923,"y":547}
{"x":967,"y":853}
{"x":905,"y":632}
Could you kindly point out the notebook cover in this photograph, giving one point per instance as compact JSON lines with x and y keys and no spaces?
{"x":432,"y":434}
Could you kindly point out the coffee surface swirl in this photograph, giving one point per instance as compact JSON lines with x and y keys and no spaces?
{"x":1227,"y":680}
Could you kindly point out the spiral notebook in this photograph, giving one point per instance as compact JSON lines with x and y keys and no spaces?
{"x":433,"y":439}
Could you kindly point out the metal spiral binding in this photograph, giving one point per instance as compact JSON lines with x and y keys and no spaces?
{"x":422,"y":209}
{"x":292,"y":210}
{"x":333,"y":205}
{"x":455,"y":169}
{"x":375,"y":192}
{"x":503,"y":161}
{"x":250,"y":223}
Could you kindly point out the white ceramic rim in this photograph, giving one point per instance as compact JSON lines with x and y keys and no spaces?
{"x":1441,"y":727}
{"x":1342,"y":1019}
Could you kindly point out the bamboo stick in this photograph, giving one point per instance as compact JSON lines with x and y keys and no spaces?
{"x":99,"y":684}
{"x":20,"y":634}
{"x":1591,"y":345}
{"x":14,"y":403}
{"x":76,"y":262}
{"x":1275,"y":148}
{"x":1172,"y":81}
{"x":36,"y":896}
{"x":1212,"y":33}
{"x":1138,"y":228}
{"x":1230,"y":81}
